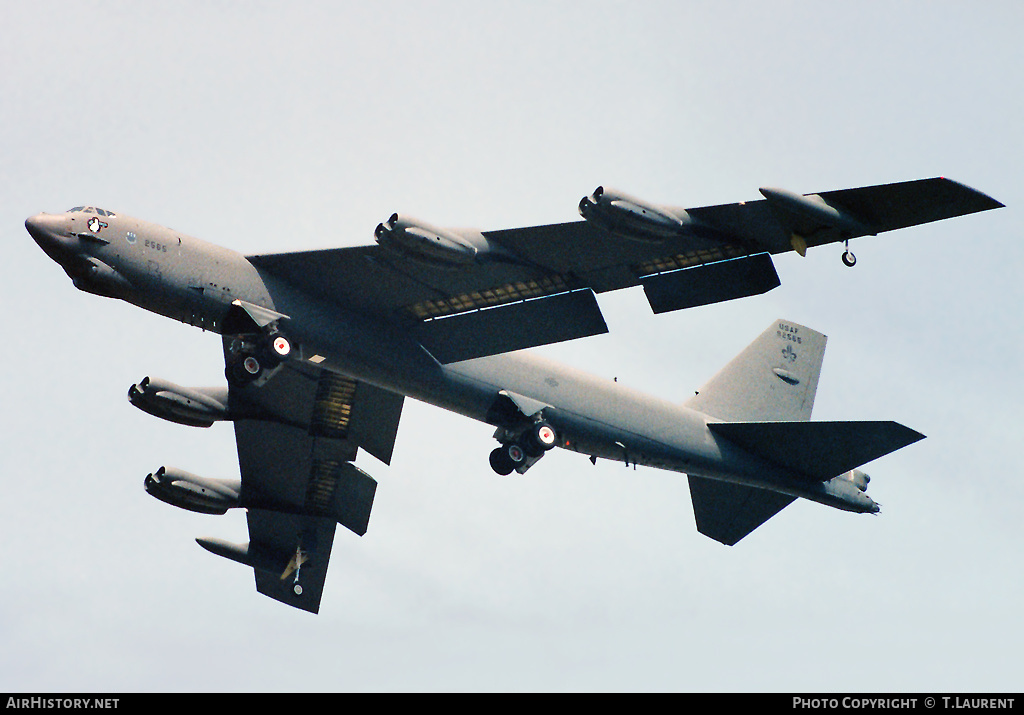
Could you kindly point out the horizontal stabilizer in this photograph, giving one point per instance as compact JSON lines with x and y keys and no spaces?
{"x":727,"y":512}
{"x":818,"y":450}
{"x":516,"y":326}
{"x":710,"y":283}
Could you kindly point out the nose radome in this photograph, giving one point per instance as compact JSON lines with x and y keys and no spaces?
{"x":49,"y":232}
{"x":42,"y":226}
{"x":34,"y":225}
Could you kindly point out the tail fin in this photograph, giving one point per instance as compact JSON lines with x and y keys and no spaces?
{"x":774,"y":378}
{"x":765,"y":396}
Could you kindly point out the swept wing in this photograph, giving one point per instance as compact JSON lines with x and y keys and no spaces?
{"x":303,"y":429}
{"x":522,"y":287}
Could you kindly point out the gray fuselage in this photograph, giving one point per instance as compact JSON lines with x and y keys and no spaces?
{"x":195,"y":282}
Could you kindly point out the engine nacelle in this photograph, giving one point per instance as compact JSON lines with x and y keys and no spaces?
{"x":423,"y":242}
{"x":858,"y":478}
{"x":183,"y":405}
{"x":632,"y":218}
{"x":849,"y":489}
{"x":191,"y":492}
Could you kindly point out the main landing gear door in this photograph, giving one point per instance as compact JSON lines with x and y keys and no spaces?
{"x":528,"y":407}
{"x":255,"y":344}
{"x":261,"y":317}
{"x":524,"y":433}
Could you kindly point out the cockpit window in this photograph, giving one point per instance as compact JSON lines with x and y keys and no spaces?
{"x":91,"y":210}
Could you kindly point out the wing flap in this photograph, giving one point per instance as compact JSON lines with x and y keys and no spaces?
{"x":727,"y":512}
{"x":345,"y":492}
{"x":603,"y":261}
{"x":338,"y":410}
{"x":526,"y":324}
{"x":360,"y":413}
{"x":710,"y":283}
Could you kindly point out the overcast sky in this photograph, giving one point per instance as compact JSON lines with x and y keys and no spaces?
{"x":269,"y":127}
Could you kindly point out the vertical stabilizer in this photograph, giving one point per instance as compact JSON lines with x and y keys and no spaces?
{"x":773,"y":379}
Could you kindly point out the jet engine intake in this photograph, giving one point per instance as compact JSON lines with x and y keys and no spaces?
{"x":631,"y":217}
{"x":183,"y":405}
{"x":191,"y":492}
{"x":428,"y":244}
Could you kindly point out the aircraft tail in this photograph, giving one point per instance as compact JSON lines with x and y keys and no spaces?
{"x":774,"y":378}
{"x":765,"y":396}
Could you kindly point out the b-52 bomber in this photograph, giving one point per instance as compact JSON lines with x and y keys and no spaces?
{"x":321,"y":348}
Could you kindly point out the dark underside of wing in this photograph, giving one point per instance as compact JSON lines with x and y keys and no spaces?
{"x":280,"y":565}
{"x":301,"y":430}
{"x":723,"y":252}
{"x":541,"y":290}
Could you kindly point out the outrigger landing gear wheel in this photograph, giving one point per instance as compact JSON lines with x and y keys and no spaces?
{"x":848,"y":258}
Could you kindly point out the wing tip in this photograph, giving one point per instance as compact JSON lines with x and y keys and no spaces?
{"x":984,"y":201}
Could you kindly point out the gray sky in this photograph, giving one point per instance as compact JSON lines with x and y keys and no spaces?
{"x":268,"y":127}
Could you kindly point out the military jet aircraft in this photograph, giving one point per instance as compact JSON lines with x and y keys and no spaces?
{"x":322,"y":347}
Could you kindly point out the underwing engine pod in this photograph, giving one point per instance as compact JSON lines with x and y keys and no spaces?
{"x":192,"y":492}
{"x":631,"y":217}
{"x":195,"y":407}
{"x":444,"y":248}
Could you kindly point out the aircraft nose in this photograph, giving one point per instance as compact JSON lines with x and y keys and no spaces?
{"x":39,"y":226}
{"x":48,"y":232}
